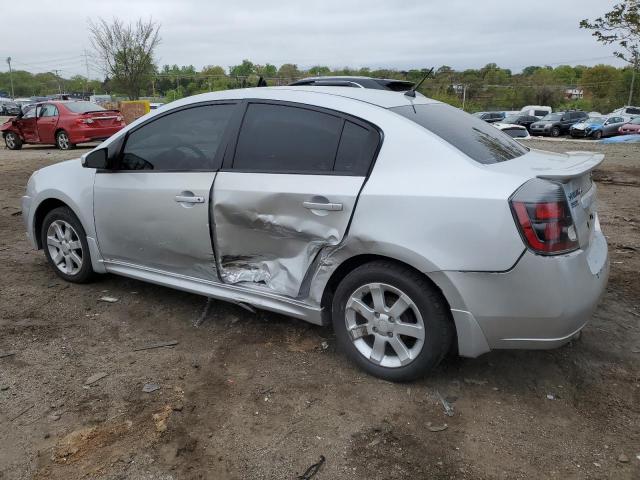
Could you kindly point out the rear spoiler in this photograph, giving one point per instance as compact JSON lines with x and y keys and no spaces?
{"x":575,"y":169}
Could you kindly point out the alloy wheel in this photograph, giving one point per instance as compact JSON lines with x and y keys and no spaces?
{"x":10,"y":140}
{"x":385,"y":325}
{"x":65,"y":247}
{"x":63,"y":141}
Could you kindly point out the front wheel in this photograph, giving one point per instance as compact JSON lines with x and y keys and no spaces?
{"x":65,"y":245}
{"x":12,"y":141}
{"x":63,"y":142}
{"x":391,"y":321}
{"x":597,"y":135}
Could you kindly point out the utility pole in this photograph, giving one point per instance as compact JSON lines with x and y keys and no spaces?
{"x":86,"y":64}
{"x":58,"y":79}
{"x":634,"y":67}
{"x":11,"y":77}
{"x":464,"y":95}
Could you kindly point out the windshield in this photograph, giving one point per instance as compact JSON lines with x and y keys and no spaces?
{"x":635,"y":121}
{"x":511,"y":119}
{"x":592,"y":120}
{"x":83,"y":107}
{"x":475,"y":138}
{"x":552,"y":117}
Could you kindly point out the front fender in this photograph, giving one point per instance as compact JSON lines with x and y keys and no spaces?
{"x":67,"y":182}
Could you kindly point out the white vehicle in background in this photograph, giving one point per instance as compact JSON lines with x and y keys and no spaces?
{"x":627,"y":111}
{"x":536,"y":110}
{"x":100,"y":99}
{"x":513,"y":130}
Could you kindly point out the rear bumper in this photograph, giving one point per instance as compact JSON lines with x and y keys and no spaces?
{"x":542,"y":302}
{"x":91,"y":134}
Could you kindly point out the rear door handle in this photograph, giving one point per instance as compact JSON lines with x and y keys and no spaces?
{"x":189,"y":199}
{"x":332,"y":207}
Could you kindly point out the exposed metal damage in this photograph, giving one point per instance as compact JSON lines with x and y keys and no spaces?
{"x":298,"y":241}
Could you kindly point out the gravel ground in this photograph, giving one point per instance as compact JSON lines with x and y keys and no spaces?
{"x":263,"y":396}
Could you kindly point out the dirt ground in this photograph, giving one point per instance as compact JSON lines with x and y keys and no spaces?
{"x":263,"y":396}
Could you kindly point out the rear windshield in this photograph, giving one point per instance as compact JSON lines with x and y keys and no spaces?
{"x":479,"y":140}
{"x":83,"y":107}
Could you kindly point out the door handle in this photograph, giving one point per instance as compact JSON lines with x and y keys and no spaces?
{"x":332,"y":207}
{"x":189,"y":199}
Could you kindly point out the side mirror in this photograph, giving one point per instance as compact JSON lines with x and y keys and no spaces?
{"x":96,"y":159}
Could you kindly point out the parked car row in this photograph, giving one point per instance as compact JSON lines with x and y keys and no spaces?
{"x":576,"y":123}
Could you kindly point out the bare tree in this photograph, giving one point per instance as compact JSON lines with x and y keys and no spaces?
{"x":127,"y":51}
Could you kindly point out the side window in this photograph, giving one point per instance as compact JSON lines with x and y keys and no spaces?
{"x":279,"y":138}
{"x":29,"y":112}
{"x":540,"y":113}
{"x":357,"y":148}
{"x":49,"y":111}
{"x":183,"y":140}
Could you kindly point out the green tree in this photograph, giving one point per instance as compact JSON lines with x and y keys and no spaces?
{"x":289,"y":71}
{"x":245,"y":69}
{"x":621,"y":26}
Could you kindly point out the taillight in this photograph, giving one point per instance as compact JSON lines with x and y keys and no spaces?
{"x":544,"y":219}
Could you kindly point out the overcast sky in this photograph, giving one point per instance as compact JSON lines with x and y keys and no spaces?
{"x":402,"y":34}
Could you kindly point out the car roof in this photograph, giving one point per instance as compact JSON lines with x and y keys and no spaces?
{"x":380,"y":98}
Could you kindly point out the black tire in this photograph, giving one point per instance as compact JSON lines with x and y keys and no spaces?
{"x":12,"y":141}
{"x":597,"y":135}
{"x":63,"y":142}
{"x":438,"y":324}
{"x":555,"y":132}
{"x":64,"y":214}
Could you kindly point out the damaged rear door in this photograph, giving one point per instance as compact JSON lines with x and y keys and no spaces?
{"x":152,"y":210}
{"x":288,"y":189}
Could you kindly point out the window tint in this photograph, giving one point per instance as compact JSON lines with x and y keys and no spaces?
{"x":357,"y":148}
{"x":183,"y":140}
{"x":540,"y":113}
{"x":83,"y":107}
{"x":278,"y":138}
{"x":480,"y":141}
{"x":633,"y":111}
{"x":49,"y":111}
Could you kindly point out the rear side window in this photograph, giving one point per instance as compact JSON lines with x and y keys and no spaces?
{"x":357,"y":147}
{"x":183,"y":140}
{"x":279,"y":138}
{"x":478,"y":140}
{"x":540,"y":113}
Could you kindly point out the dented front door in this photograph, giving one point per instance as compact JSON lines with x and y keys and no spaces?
{"x":270,"y":227}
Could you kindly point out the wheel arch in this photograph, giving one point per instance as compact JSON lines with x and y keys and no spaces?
{"x":351,"y":263}
{"x":41,"y":212}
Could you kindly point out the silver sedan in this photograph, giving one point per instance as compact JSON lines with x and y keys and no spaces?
{"x":411,"y":226}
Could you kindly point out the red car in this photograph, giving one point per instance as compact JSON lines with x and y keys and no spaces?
{"x":61,"y":123}
{"x":630,"y":127}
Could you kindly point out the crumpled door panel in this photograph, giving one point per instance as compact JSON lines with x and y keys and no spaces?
{"x":265,"y":236}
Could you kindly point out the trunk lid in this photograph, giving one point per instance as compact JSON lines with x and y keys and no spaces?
{"x":572,"y":170}
{"x":103,"y":118}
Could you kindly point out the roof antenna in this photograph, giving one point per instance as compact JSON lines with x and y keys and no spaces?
{"x":412,"y":92}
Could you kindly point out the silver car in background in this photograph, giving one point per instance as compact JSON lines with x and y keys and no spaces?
{"x":411,"y":226}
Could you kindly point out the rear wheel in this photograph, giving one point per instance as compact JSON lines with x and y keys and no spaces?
{"x":391,"y":321}
{"x":12,"y":141}
{"x":65,"y":245}
{"x":555,"y":132}
{"x":63,"y":142}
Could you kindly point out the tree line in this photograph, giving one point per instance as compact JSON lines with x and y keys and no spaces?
{"x":488,"y":88}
